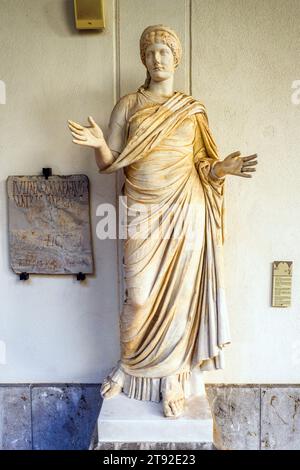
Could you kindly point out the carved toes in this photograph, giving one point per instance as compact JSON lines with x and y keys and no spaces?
{"x":173,"y":408}
{"x":110,"y":389}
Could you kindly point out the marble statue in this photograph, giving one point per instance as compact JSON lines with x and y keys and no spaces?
{"x":174,"y":317}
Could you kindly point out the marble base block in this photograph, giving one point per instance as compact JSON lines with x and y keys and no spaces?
{"x":126,"y":423}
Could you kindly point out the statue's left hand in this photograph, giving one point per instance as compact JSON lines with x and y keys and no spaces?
{"x":236,"y":165}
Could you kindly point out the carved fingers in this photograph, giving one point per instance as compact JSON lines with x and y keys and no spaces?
{"x":91,"y":136}
{"x":78,"y":132}
{"x":234,"y":154}
{"x":92,"y":122}
{"x":78,"y":136}
{"x":234,"y":164}
{"x":248,"y":166}
{"x":75,"y":125}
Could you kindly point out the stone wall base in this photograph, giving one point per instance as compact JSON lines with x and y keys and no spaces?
{"x":63,"y":416}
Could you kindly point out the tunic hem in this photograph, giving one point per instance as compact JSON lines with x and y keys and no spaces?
{"x":146,"y":388}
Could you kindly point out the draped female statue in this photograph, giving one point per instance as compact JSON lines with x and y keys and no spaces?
{"x":174,"y":316}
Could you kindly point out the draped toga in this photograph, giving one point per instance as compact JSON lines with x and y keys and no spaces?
{"x":174,"y":316}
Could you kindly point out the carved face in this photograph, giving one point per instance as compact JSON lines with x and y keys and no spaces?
{"x":159,"y":62}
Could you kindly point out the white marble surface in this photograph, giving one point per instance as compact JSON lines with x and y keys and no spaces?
{"x":126,"y":420}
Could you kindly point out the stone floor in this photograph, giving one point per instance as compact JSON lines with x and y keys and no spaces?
{"x":63,"y":416}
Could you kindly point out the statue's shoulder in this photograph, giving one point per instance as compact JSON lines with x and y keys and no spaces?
{"x":126,"y":101}
{"x":123,"y":108}
{"x":197,"y":105}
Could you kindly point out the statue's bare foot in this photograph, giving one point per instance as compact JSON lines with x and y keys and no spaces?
{"x":173,"y":397}
{"x":173,"y":408}
{"x":110,"y":389}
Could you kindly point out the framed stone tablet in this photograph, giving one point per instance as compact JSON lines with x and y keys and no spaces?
{"x":49,"y":224}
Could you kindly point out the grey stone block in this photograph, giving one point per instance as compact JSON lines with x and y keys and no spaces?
{"x":15,"y":418}
{"x":64,"y":417}
{"x":236,"y":413}
{"x":280,"y":418}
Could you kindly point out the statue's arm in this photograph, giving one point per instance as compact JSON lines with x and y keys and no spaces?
{"x":117,"y":126}
{"x":233,"y":164}
{"x":106,"y":151}
{"x":104,"y":156}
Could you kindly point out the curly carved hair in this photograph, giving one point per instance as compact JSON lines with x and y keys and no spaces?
{"x":164,"y":35}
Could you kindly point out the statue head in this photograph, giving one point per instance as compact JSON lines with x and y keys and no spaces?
{"x":161,"y":52}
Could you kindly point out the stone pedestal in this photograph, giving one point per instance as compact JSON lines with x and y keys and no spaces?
{"x":126,"y":424}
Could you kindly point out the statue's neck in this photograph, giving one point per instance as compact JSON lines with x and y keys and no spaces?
{"x":164,"y":88}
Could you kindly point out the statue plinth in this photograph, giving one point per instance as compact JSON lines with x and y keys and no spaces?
{"x":129,"y":424}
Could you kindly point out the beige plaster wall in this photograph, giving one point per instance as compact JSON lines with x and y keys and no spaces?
{"x":244,"y":61}
{"x":54,"y":329}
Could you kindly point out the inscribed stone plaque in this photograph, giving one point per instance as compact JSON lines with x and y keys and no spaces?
{"x":282,"y":284}
{"x":49,"y":224}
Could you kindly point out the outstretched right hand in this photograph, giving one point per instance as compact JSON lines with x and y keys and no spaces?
{"x":91,"y":136}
